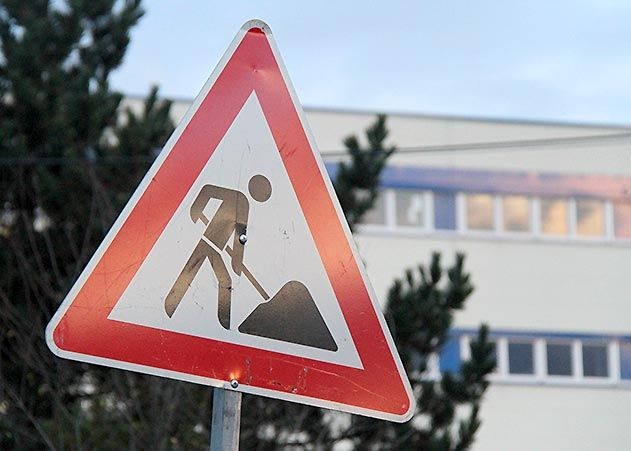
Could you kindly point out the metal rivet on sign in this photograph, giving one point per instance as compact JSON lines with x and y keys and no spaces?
{"x":234,"y":383}
{"x":243,"y":238}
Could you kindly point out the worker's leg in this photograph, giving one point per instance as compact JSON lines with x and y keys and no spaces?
{"x":202,"y":251}
{"x":225,"y":287}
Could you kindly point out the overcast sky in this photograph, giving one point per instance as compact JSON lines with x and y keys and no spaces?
{"x":556,"y":59}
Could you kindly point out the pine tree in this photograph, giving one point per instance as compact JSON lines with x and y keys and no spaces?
{"x":67,"y":165}
{"x":419,"y":311}
{"x":357,"y":181}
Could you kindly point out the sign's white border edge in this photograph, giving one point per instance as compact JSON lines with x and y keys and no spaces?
{"x":131,"y":204}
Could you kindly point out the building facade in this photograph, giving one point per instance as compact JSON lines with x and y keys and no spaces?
{"x":543,"y":213}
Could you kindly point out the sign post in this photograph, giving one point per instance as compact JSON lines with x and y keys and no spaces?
{"x":226,"y":420}
{"x":232,"y":265}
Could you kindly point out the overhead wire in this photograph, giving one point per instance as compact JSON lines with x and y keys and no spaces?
{"x":565,"y":143}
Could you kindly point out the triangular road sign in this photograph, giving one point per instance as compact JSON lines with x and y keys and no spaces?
{"x":233,"y":262}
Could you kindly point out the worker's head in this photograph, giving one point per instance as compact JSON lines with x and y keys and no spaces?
{"x":260,"y":188}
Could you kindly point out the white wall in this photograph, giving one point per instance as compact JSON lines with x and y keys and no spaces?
{"x":606,"y":155}
{"x":331,"y":126}
{"x":516,"y":418}
{"x":520,"y":284}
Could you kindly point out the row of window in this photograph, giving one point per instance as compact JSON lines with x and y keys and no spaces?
{"x":511,"y":214}
{"x":555,"y":359}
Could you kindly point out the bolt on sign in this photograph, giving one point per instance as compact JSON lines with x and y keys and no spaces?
{"x":232,"y":264}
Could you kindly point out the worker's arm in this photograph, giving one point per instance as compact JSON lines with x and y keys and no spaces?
{"x":197,"y":209}
{"x":240,"y":229}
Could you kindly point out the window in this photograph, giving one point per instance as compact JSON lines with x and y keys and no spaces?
{"x":554,"y":360}
{"x":625,"y":361}
{"x":516,"y":213}
{"x":520,"y":358}
{"x":559,"y":358}
{"x":595,"y":361}
{"x":622,"y":219}
{"x":554,"y":216}
{"x":479,"y":211}
{"x":410,"y":206}
{"x":449,"y":359}
{"x":590,"y":217}
{"x":444,"y":211}
{"x":377,"y":214}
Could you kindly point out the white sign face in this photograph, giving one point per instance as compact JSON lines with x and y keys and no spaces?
{"x":233,"y":262}
{"x":279,"y":249}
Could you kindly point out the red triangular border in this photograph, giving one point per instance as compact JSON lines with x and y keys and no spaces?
{"x":80,"y":330}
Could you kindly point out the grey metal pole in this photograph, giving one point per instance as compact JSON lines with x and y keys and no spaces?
{"x":226,"y":420}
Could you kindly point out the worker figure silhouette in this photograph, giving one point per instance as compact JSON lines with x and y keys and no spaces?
{"x":291,"y":315}
{"x":231,"y":218}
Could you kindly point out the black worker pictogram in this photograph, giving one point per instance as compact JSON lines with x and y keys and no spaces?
{"x":291,"y":315}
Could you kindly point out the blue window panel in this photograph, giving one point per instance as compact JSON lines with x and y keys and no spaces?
{"x":449,"y":359}
{"x":625,"y":361}
{"x":595,"y":361}
{"x":444,"y":211}
{"x":559,"y":357}
{"x":521,"y":358}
